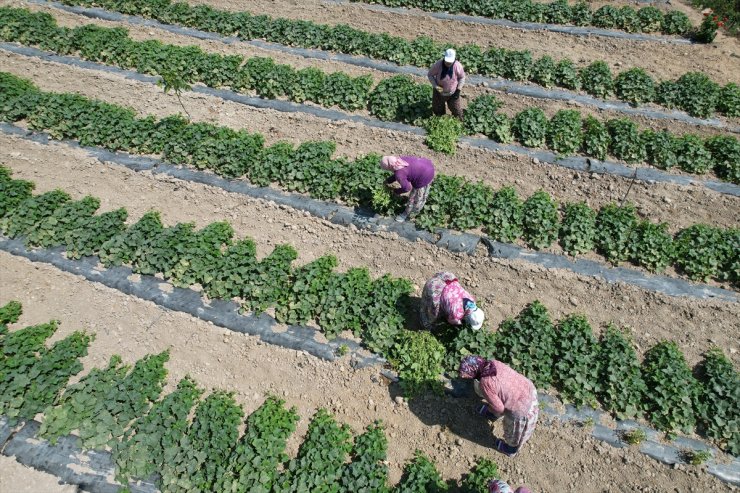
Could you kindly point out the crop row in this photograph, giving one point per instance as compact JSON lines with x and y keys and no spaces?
{"x":587,"y":370}
{"x":614,"y":231}
{"x":693,"y":92}
{"x":394,"y":99}
{"x":375,"y":311}
{"x":223,"y":266}
{"x":646,"y":19}
{"x":565,"y":355}
{"x":122,"y":407}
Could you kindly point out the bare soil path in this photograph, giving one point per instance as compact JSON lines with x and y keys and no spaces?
{"x":17,"y":478}
{"x":678,"y":206}
{"x":504,"y":287}
{"x":512,"y":103}
{"x":558,"y":458}
{"x":719,"y":60}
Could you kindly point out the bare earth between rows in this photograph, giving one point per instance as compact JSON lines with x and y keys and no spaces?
{"x":503,"y":287}
{"x":664,"y":61}
{"x":677,"y":205}
{"x":557,"y":458}
{"x":512,"y":103}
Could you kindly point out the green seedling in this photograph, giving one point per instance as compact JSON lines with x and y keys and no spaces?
{"x":695,"y":457}
{"x":634,"y":437}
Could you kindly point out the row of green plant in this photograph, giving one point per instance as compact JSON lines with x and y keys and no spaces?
{"x":587,"y":371}
{"x":699,"y":251}
{"x":225,"y":267}
{"x":394,"y":99}
{"x":693,"y":92}
{"x":376,"y":310}
{"x":646,"y":19}
{"x":122,"y":407}
{"x":566,"y":355}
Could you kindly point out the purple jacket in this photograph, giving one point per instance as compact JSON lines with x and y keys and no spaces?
{"x":418,"y":174}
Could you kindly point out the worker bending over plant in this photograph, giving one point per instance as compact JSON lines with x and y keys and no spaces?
{"x":413,"y":174}
{"x":445,"y":298}
{"x":447,"y":77}
{"x":507,"y":393}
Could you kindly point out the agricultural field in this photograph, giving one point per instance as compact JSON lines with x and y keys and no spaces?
{"x":226,"y":153}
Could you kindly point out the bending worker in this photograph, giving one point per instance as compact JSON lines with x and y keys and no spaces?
{"x":414,"y":174}
{"x":444,"y":297}
{"x":507,"y":393}
{"x":447,"y":77}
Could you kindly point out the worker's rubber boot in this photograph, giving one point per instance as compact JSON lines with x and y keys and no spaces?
{"x":505,"y":448}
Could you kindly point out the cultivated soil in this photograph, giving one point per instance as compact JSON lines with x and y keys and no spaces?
{"x":559,"y":457}
{"x":679,"y":206}
{"x":719,"y":59}
{"x":505,"y":286}
{"x":512,"y":103}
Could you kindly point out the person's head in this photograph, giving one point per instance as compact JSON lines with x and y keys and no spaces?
{"x":392,"y":163}
{"x":473,"y":366}
{"x":474,"y":316}
{"x":450,"y":56}
{"x":498,"y":486}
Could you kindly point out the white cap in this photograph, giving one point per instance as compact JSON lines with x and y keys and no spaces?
{"x":476,"y":318}
{"x":450,"y":55}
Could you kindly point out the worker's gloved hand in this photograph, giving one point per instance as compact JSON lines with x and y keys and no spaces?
{"x":438,"y":89}
{"x":455,"y":94}
{"x":486,"y":413}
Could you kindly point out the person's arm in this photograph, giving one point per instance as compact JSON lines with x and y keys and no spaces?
{"x":432,"y":76}
{"x":402,"y":178}
{"x":495,"y":405}
{"x":460,"y":77}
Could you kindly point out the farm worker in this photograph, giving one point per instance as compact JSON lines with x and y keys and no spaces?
{"x":508,"y":394}
{"x":443,"y":296}
{"x":447,"y":77}
{"x":498,"y":486}
{"x":414,"y":174}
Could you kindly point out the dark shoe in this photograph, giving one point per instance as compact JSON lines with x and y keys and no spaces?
{"x":505,"y":448}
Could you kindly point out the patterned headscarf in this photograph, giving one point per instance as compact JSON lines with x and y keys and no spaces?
{"x":498,"y":486}
{"x":476,"y":367}
{"x":392,"y":163}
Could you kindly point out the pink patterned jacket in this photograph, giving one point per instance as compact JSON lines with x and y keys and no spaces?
{"x":508,"y":390}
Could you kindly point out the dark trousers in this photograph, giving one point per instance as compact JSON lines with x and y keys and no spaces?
{"x":453,"y":103}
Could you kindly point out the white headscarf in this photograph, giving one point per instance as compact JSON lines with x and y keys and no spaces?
{"x":475,"y":318}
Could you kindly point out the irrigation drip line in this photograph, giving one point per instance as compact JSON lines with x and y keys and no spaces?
{"x":527,"y":26}
{"x":577,"y":163}
{"x":222,"y":313}
{"x":365,"y":62}
{"x":362,"y":219}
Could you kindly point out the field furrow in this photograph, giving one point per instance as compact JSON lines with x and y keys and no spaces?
{"x":718,"y":60}
{"x":678,"y":206}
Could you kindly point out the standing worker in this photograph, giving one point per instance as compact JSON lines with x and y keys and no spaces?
{"x":509,"y":394}
{"x":447,"y":77}
{"x":443,"y":296}
{"x":414,"y":174}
